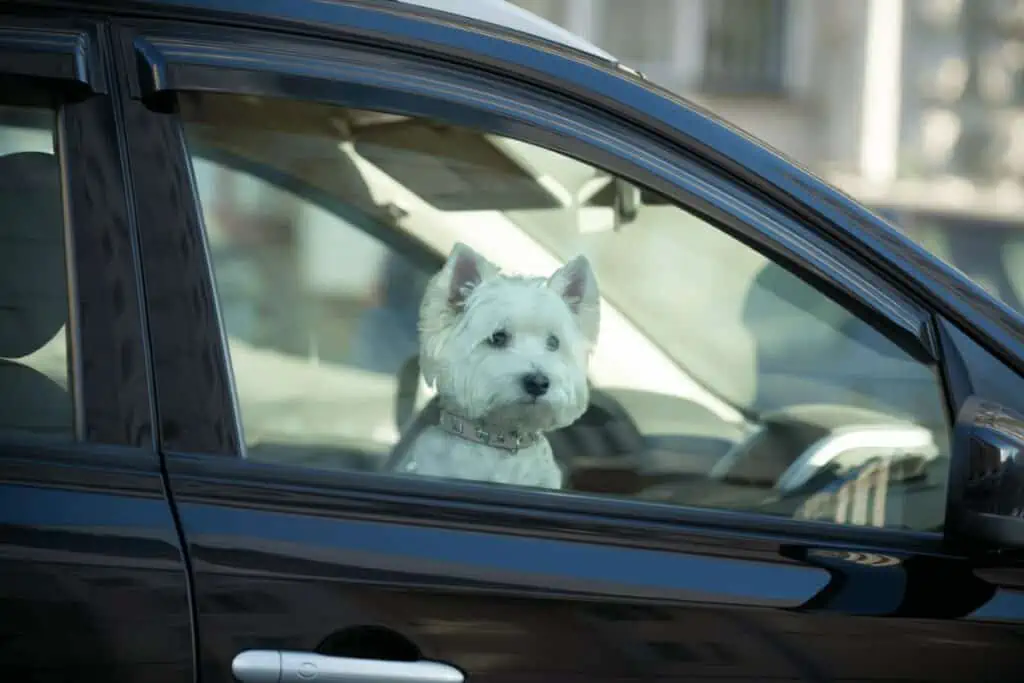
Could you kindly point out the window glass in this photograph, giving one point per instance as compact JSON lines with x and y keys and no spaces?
{"x":34,"y":376}
{"x":716,"y":378}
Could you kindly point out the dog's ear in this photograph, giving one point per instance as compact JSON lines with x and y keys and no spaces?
{"x":464,"y":270}
{"x":576,"y":283}
{"x":444,"y":301}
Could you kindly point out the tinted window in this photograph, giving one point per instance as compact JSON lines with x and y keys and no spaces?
{"x":34,"y":374}
{"x":718,"y":378}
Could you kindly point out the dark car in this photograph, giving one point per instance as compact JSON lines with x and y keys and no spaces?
{"x":801,"y":458}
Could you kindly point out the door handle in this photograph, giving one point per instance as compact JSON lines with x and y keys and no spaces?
{"x":282,"y":666}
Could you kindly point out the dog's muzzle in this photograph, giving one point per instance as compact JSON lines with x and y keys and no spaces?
{"x":510,"y":441}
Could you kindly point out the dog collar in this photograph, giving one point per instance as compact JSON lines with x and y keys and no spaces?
{"x":510,"y":441}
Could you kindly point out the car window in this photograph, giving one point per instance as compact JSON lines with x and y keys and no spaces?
{"x":716,"y":377}
{"x":34,"y":375}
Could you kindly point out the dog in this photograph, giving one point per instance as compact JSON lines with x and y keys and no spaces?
{"x":508,"y":356}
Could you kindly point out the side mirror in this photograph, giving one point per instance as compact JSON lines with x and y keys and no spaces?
{"x":986,"y":488}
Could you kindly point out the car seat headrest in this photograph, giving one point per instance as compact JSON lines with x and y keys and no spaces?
{"x":33,"y":279}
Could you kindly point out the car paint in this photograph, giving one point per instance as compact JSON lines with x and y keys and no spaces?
{"x":512,"y":587}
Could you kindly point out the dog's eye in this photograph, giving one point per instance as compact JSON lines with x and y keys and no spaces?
{"x":499,"y":339}
{"x":553,"y":343}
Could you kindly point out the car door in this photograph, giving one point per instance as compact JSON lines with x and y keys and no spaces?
{"x":92,"y":576}
{"x":757,"y":491}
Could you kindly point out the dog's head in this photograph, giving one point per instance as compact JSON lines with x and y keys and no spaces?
{"x":506,"y":349}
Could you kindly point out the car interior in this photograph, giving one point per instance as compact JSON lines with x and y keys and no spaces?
{"x":630,"y":442}
{"x":33,"y":297}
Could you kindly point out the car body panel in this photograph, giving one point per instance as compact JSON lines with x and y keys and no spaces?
{"x":586,"y":599}
{"x":92,"y":577}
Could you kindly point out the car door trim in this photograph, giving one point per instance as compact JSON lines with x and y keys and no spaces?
{"x":475,"y":506}
{"x":63,"y":55}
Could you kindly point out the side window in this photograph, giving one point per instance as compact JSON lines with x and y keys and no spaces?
{"x":673,"y":364}
{"x":34,"y":377}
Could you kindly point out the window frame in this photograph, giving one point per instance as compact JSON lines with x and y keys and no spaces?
{"x":160,"y":58}
{"x":61,"y":64}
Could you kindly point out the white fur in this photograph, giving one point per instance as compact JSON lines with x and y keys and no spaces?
{"x":464,"y":305}
{"x":440,"y":454}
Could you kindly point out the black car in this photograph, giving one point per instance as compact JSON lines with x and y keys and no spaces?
{"x":801,"y":460}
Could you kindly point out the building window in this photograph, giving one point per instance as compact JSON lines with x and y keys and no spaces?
{"x":745,"y":46}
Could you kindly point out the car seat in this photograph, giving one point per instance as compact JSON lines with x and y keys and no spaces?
{"x":33,"y":292}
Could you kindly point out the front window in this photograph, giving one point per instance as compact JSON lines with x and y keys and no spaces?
{"x":718,"y":378}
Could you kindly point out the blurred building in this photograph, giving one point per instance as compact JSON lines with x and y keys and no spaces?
{"x":915,"y":107}
{"x":890,"y":99}
{"x":792,"y":72}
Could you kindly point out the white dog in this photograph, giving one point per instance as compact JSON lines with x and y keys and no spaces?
{"x":508,"y":356}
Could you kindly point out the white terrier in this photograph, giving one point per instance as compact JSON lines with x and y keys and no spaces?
{"x":508,"y":356}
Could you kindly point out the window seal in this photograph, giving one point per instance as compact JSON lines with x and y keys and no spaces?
{"x":58,"y":58}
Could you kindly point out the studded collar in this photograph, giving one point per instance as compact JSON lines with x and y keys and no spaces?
{"x":469,"y":430}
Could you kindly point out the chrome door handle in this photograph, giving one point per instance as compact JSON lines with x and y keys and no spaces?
{"x":281,"y":666}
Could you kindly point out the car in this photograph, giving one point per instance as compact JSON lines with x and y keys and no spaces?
{"x":801,"y":457}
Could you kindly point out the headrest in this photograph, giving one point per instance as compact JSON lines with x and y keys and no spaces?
{"x":33,"y":279}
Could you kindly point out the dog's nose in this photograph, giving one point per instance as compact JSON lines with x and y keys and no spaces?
{"x":536,"y":383}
